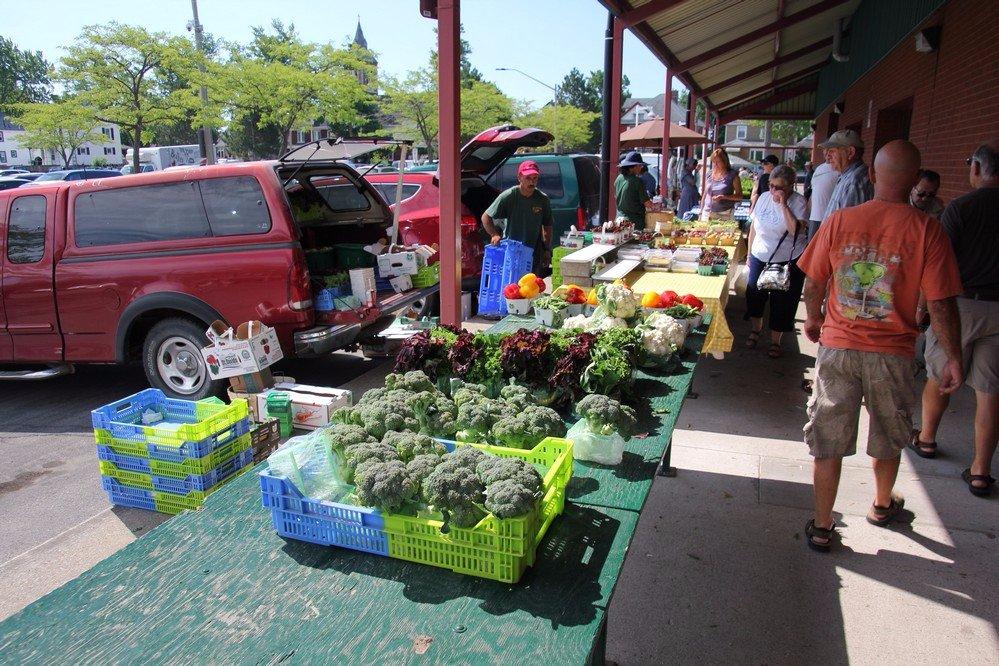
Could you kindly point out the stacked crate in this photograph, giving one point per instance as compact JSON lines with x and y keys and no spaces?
{"x":168,"y":455}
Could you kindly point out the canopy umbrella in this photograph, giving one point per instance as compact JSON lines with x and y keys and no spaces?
{"x":650,"y":133}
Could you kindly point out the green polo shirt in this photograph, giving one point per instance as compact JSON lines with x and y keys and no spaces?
{"x":630,"y":195}
{"x":524,"y":215}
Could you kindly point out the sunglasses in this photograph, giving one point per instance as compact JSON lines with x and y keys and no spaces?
{"x":969,"y":161}
{"x":922,"y":195}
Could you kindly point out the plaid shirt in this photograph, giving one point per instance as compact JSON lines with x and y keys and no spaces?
{"x":852,"y":189}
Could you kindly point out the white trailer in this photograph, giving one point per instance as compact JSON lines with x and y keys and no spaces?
{"x":157,"y":158}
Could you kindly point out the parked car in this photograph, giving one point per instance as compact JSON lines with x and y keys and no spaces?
{"x":27,"y":176}
{"x":481,"y":158}
{"x":12,"y":172}
{"x":134,"y":269}
{"x":9,"y":182}
{"x":144,"y":167}
{"x":73,"y":174}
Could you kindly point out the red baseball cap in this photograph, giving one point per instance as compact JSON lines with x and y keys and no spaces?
{"x":528,"y":168}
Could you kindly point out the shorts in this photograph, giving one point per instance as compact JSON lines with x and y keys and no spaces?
{"x":844,"y":378}
{"x":979,"y":346}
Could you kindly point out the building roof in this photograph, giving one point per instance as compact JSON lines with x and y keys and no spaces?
{"x":658,"y":105}
{"x":746,"y":58}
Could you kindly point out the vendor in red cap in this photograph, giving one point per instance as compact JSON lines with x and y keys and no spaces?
{"x":528,"y":214}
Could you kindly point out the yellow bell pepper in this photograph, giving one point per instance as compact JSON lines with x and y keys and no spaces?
{"x":529,"y":279}
{"x":591,"y":298}
{"x":529,"y":289}
{"x":651,"y":300}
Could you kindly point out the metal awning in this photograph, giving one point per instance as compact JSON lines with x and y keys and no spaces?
{"x":743,"y":58}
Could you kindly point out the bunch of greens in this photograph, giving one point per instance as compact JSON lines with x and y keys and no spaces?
{"x":570,"y":365}
{"x":524,"y":356}
{"x":612,"y":360}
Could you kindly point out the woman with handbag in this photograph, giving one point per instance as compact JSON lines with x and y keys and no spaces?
{"x":776,"y":240}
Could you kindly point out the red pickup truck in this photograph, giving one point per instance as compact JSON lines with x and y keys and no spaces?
{"x":133,"y":269}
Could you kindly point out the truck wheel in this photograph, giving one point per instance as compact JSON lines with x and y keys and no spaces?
{"x":171,"y":356}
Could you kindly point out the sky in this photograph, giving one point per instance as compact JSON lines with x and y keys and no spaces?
{"x":545,"y":38}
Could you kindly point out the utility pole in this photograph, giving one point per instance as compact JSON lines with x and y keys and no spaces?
{"x":206,"y":131}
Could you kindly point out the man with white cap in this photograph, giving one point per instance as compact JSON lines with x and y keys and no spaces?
{"x":844,"y":153}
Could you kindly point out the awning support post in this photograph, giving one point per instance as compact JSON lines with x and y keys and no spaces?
{"x":667,"y":120}
{"x":448,"y":27}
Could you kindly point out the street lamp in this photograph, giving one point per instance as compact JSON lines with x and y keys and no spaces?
{"x":554,"y":89}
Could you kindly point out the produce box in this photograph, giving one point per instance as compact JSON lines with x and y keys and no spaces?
{"x":497,"y":549}
{"x":313,"y":406}
{"x":251,"y":348}
{"x":394,"y":263}
{"x":265,"y":437}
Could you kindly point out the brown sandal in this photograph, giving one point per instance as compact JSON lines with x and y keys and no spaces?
{"x":774,"y":351}
{"x":979,"y":491}
{"x":812,"y":532}
{"x":922,"y":449}
{"x":883,"y":515}
{"x":753,"y":339}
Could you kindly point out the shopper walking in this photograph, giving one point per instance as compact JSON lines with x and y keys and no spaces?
{"x":776,"y":237}
{"x":872,"y":261}
{"x":688,"y":188}
{"x":971,"y":223}
{"x":823,"y":182}
{"x":844,"y":152}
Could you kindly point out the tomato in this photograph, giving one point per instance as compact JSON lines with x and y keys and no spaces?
{"x":692,"y":301}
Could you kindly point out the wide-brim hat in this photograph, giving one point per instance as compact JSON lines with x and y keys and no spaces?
{"x":630,"y":160}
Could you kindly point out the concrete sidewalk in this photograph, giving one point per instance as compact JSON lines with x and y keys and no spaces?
{"x":719,"y":572}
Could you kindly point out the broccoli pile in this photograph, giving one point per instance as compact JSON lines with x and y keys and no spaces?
{"x":356,"y":456}
{"x":387,"y":485}
{"x":476,"y":418}
{"x":605,"y":416}
{"x":411,"y":444}
{"x":527,"y":428}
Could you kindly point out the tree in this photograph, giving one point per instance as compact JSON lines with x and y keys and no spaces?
{"x":60,"y":126}
{"x":413,"y":103}
{"x":184,"y":131}
{"x":483,"y":105}
{"x":586,"y":92}
{"x":468,"y":74}
{"x":284,"y":83}
{"x":122,"y":72}
{"x":786,"y":132}
{"x":571,"y":126}
{"x":24,"y":75}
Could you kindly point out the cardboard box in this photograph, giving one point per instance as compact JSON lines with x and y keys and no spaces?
{"x":265,"y":438}
{"x":313,"y":406}
{"x":249,"y":349}
{"x":255,"y":382}
{"x":393,"y":264}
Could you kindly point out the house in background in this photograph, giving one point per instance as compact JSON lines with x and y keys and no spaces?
{"x":637,"y":110}
{"x":14,"y":153}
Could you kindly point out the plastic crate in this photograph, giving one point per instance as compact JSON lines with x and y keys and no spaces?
{"x":426,"y":276}
{"x":198,"y":482}
{"x":501,"y":265}
{"x":353,"y":255}
{"x":177,"y":470}
{"x":498,"y":549}
{"x":320,"y":260}
{"x":169,"y":451}
{"x":183,"y":420}
{"x":323,"y":300}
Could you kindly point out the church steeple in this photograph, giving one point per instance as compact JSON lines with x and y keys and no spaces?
{"x":359,"y":35}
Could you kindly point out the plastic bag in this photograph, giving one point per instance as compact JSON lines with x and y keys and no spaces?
{"x":587,"y":445}
{"x":308,"y":462}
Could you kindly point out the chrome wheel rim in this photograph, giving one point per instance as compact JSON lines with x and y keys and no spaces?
{"x":180,"y":365}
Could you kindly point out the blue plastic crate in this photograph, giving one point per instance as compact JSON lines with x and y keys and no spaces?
{"x":121,"y":495}
{"x":181,"y":419}
{"x":324,"y":523}
{"x":203,"y":482}
{"x":199,"y":449}
{"x":127,"y":463}
{"x":323,"y":300}
{"x":501,"y":265}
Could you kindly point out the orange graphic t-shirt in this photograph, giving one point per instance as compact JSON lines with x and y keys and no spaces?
{"x":877,"y":257}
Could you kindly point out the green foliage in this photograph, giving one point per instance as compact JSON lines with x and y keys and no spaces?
{"x":585,"y":91}
{"x":61,"y":126}
{"x":785,"y":132}
{"x":24,"y":75}
{"x":572,"y":127}
{"x":123,"y":73}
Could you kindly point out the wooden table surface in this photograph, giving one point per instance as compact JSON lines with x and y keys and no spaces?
{"x":219,"y":585}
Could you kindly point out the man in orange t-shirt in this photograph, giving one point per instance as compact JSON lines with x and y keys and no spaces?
{"x":868,"y":264}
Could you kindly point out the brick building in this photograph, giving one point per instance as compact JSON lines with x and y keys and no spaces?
{"x":938,"y":85}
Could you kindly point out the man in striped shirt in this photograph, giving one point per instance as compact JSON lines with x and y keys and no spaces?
{"x":844,"y":152}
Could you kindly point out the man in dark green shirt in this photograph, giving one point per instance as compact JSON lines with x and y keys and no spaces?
{"x":527,"y":211}
{"x":629,"y":191}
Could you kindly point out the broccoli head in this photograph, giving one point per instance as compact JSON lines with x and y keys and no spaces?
{"x":518,"y":396}
{"x":528,"y":427}
{"x":410,"y":444}
{"x":413,"y":381}
{"x":341,"y":435}
{"x":509,"y":499}
{"x":462,"y":392}
{"x":492,"y":469}
{"x":386,"y":485}
{"x":435,"y":413}
{"x":421,"y":466}
{"x":454,"y":489}
{"x":475,"y":420}
{"x":605,"y":416}
{"x":360,"y":453}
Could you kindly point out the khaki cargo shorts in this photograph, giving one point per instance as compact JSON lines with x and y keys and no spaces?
{"x":843,"y":379}
{"x":979,"y":346}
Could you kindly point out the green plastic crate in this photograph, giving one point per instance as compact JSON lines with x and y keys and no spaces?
{"x":495,"y":548}
{"x":427,"y":276}
{"x":353,"y":255}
